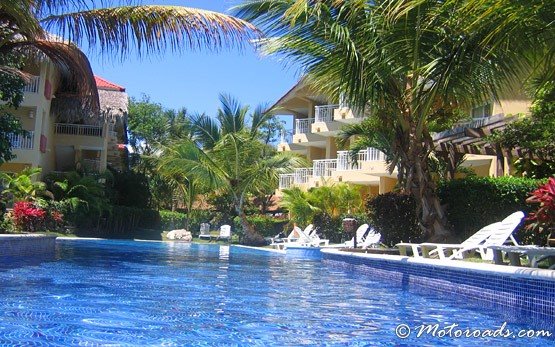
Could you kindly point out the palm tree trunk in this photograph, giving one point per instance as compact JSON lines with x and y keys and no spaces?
{"x":419,"y":183}
{"x":251,"y":237}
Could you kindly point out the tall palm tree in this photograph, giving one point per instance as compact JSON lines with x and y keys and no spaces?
{"x":30,"y":27}
{"x":233,"y":165}
{"x":410,"y":63}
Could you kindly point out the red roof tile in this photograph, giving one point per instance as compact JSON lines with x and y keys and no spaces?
{"x":101,"y":83}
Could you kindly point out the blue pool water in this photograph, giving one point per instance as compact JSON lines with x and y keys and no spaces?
{"x":121,"y":293}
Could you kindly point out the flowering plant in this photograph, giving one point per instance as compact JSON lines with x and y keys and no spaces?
{"x":543,"y":219}
{"x":28,"y":216}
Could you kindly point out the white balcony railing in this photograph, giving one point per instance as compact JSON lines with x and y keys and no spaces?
{"x":286,"y":181}
{"x":22,"y":141}
{"x":303,"y":175}
{"x":91,"y":164}
{"x":33,"y":85}
{"x":324,"y":113}
{"x":345,"y":161}
{"x":302,"y":126}
{"x":324,"y":168}
{"x":79,"y":130}
{"x":370,"y":154}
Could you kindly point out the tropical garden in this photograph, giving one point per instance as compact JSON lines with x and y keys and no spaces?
{"x":412,"y":66}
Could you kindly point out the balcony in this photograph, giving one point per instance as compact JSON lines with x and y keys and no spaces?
{"x":22,"y":141}
{"x":324,"y":113}
{"x":302,"y":126}
{"x":33,"y":85}
{"x":78,"y":130}
{"x":324,"y":168}
{"x":286,"y":181}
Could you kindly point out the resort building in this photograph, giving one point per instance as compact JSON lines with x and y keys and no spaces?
{"x":317,"y":122}
{"x":58,"y":137}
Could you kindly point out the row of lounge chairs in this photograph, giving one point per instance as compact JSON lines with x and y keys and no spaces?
{"x":300,"y":238}
{"x":489,"y":242}
{"x":365,"y":237}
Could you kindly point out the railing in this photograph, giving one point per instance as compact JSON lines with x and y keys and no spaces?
{"x":324,"y":168}
{"x":302,"y":175}
{"x":22,"y":141}
{"x":345,"y":161}
{"x":33,"y":85}
{"x":77,"y":129}
{"x":370,"y":154}
{"x":286,"y":181}
{"x":91,"y":164}
{"x":324,"y":113}
{"x":302,"y":126}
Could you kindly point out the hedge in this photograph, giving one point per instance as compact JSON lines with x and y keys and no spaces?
{"x":265,"y":225}
{"x":475,"y":202}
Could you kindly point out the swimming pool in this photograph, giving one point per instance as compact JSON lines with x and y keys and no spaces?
{"x":151,"y":294}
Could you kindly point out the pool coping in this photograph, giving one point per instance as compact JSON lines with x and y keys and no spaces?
{"x":513,"y":271}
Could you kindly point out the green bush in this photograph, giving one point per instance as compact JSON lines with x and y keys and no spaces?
{"x":394,"y":216}
{"x":331,"y":228}
{"x":172,"y":220}
{"x":265,"y":225}
{"x":475,"y":202}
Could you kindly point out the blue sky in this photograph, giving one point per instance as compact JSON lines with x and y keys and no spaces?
{"x":195,"y":79}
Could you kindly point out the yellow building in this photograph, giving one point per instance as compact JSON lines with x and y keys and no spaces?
{"x":317,"y":121}
{"x":56,"y":142}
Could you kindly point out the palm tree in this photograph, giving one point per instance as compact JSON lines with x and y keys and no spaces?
{"x":29,"y":27}
{"x":233,"y":165}
{"x":232,"y":117}
{"x":409,"y":63}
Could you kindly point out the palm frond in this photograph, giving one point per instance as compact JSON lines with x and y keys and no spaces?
{"x":150,"y":29}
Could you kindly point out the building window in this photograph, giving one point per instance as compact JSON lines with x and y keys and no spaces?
{"x":482,"y":111}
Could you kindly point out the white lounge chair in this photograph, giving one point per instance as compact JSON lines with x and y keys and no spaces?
{"x":372,"y":239}
{"x":205,"y":231}
{"x":361,"y":231}
{"x":225,"y":232}
{"x":294,"y":237}
{"x":535,"y":255}
{"x":496,"y":233}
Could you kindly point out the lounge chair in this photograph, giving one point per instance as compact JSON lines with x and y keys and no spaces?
{"x":205,"y":231}
{"x":361,"y":231}
{"x":225,"y":232}
{"x":294,"y":237}
{"x":493,"y":234}
{"x":535,"y":255}
{"x":372,"y":239}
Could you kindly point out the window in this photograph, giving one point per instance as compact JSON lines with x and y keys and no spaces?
{"x":482,"y":111}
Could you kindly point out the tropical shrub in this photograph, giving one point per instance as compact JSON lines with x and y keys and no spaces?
{"x":543,"y":219}
{"x":475,"y":202}
{"x":394,"y":216}
{"x":171,"y":220}
{"x":28,"y":216}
